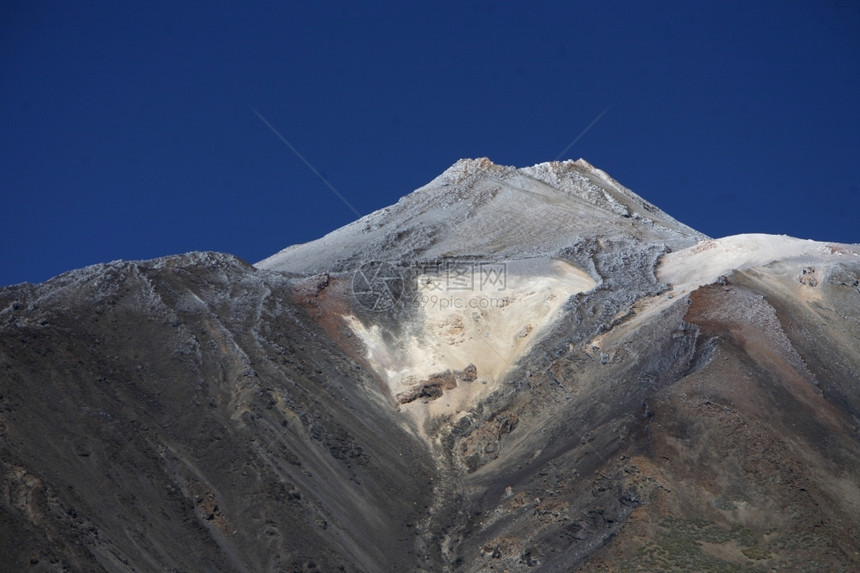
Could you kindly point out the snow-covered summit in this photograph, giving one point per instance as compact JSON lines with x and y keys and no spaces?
{"x":478,"y":208}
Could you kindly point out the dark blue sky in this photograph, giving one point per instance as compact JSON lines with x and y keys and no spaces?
{"x":128,"y":131}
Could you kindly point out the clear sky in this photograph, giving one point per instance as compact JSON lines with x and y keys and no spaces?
{"x":128,"y":130}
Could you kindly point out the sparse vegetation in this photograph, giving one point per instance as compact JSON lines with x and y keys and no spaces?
{"x":756,"y":552}
{"x":679,"y":547}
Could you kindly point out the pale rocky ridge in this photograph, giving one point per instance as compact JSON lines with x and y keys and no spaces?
{"x":615,"y":391}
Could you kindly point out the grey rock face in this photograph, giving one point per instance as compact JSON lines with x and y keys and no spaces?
{"x":186,"y":414}
{"x":612,"y":392}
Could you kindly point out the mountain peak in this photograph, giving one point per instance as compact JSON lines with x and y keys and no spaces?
{"x":484,"y":258}
{"x":478,"y":208}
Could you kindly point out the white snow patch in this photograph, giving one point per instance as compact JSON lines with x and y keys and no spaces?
{"x":704,"y":263}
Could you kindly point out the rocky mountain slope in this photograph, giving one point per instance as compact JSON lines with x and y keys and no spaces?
{"x":509,"y":370}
